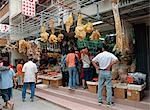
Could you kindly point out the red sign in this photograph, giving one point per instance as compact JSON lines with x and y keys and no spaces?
{"x":28,"y":7}
{"x":4,"y":28}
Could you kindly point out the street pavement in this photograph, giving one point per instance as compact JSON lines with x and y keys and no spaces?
{"x":38,"y":104}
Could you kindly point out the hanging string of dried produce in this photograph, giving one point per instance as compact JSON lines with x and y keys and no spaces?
{"x":80,"y":30}
{"x":95,"y":35}
{"x":69,"y":22}
{"x":44,"y":35}
{"x":88,"y":27}
{"x":52,"y":38}
{"x":23,"y":46}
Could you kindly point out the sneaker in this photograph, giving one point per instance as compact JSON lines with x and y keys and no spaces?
{"x":69,"y":88}
{"x":109,"y":103}
{"x":23,"y":100}
{"x":32,"y":100}
{"x":100,"y":102}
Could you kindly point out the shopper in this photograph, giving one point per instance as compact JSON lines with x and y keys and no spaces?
{"x":70,"y":61}
{"x":6,"y":84}
{"x":105,"y":60}
{"x":19,"y":73}
{"x":29,"y":78}
{"x":64,"y":70}
{"x":78,"y":67}
{"x":86,"y":67}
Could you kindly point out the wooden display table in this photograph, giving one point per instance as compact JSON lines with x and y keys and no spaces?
{"x":56,"y":82}
{"x":50,"y":80}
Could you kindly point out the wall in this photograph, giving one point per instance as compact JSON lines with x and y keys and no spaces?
{"x":104,"y":6}
{"x":15,"y":7}
{"x":15,"y":55}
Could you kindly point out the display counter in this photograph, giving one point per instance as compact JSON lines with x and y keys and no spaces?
{"x":54,"y":80}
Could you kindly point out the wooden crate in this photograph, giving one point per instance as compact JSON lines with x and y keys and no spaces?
{"x":135,"y":95}
{"x":120,"y":93}
{"x":56,"y":83}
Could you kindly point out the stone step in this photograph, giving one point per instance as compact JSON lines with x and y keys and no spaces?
{"x":69,"y":105}
{"x":144,"y":104}
{"x":78,"y":97}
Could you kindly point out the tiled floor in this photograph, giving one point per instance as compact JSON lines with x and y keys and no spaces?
{"x":38,"y":104}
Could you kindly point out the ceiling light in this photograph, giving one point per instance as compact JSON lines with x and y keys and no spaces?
{"x":98,"y":22}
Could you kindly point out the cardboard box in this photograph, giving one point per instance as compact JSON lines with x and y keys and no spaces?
{"x":47,"y":82}
{"x":135,"y":95}
{"x":56,"y":83}
{"x":92,"y":88}
{"x":120,"y":93}
{"x":135,"y":92}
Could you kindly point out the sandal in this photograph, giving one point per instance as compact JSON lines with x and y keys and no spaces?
{"x":6,"y":107}
{"x":11,"y":105}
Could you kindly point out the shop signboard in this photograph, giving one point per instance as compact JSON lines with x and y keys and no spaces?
{"x":29,"y":7}
{"x":4,"y":28}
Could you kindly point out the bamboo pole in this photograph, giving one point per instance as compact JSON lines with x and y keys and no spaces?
{"x":119,"y":36}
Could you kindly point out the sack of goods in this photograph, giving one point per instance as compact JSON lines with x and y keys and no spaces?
{"x":136,"y":78}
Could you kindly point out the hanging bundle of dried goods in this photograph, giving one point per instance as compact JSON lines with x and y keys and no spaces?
{"x":79,"y":30}
{"x":52,"y":39}
{"x":23,"y":45}
{"x":52,"y":25}
{"x":33,"y":50}
{"x":95,"y":35}
{"x":88,"y":27}
{"x":44,"y":35}
{"x":60,"y":37}
{"x":69,"y":22}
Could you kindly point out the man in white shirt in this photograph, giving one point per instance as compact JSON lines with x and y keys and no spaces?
{"x":105,"y":61}
{"x":29,"y":78}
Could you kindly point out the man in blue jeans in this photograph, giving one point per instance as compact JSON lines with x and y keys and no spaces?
{"x":105,"y":61}
{"x":29,"y":78}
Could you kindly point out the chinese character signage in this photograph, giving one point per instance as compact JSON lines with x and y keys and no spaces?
{"x":28,"y":7}
{"x":4,"y":28}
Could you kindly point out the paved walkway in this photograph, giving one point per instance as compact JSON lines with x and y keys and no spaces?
{"x":38,"y":103}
